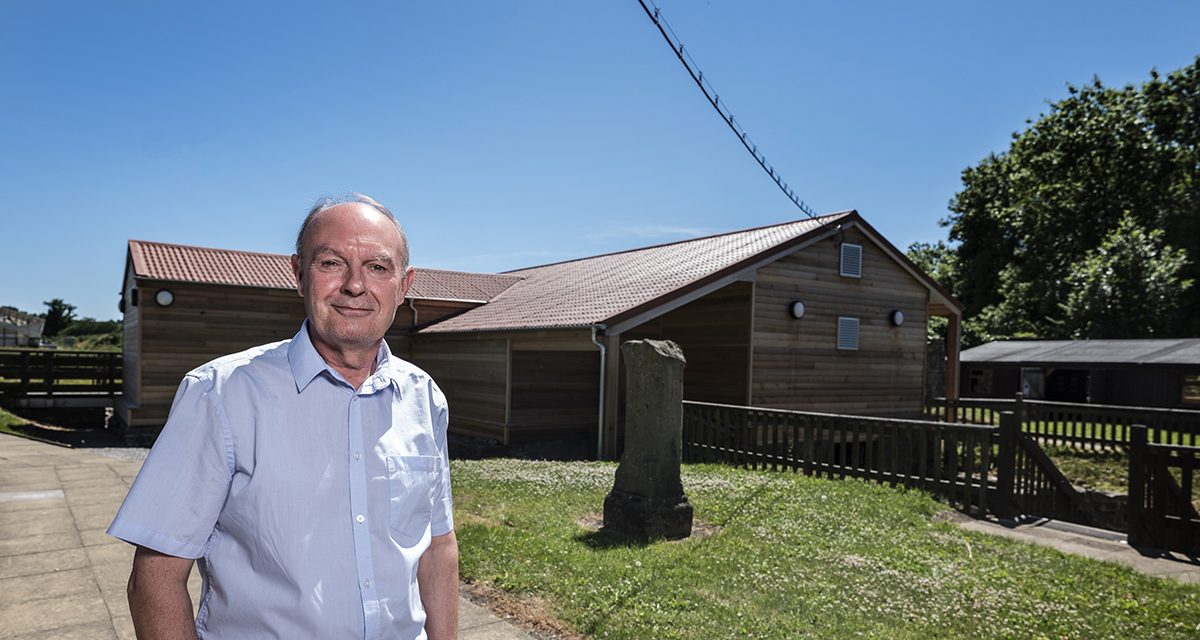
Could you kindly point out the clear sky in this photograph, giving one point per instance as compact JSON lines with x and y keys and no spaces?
{"x":509,"y":134}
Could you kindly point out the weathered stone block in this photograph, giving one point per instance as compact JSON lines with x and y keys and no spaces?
{"x":647,"y":500}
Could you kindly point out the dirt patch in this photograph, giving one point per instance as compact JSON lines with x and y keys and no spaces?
{"x":533,"y":615}
{"x":700,"y":528}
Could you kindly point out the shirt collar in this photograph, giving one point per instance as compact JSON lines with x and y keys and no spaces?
{"x":307,"y":364}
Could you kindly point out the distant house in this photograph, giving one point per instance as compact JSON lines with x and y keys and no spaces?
{"x":1150,"y":373}
{"x":820,"y":314}
{"x":20,"y":329}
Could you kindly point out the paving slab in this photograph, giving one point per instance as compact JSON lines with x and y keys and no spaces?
{"x":46,"y":614}
{"x":39,"y":542}
{"x":48,"y":585}
{"x":62,"y":577}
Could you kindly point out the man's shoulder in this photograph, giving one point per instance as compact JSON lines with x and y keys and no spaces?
{"x":407,"y":373}
{"x":263,"y":357}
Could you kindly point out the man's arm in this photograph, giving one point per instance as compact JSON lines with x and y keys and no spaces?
{"x":158,"y":596}
{"x":437,"y":578}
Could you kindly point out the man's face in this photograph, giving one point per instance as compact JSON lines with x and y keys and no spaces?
{"x":350,"y":276}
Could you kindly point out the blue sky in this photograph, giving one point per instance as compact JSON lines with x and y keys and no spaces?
{"x":508,"y":134}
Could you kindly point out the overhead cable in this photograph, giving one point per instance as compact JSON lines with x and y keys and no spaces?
{"x":715,"y":99}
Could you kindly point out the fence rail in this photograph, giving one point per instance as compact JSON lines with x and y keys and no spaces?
{"x":25,"y":372}
{"x":952,"y":460}
{"x":1080,"y":426}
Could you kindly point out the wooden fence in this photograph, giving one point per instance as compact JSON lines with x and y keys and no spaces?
{"x":1162,"y":504}
{"x":999,"y":469}
{"x":952,"y":460}
{"x":25,"y":372}
{"x":1081,"y":426}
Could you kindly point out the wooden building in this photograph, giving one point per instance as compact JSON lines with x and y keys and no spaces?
{"x":1146,"y":373}
{"x":821,"y":314}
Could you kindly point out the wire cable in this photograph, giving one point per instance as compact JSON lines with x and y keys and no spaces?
{"x":714,"y":99}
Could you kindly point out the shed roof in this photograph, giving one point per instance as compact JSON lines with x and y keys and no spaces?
{"x":1183,"y":351}
{"x":184,"y":263}
{"x":596,"y":289}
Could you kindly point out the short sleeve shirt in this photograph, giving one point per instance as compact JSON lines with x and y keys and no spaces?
{"x":306,"y":502}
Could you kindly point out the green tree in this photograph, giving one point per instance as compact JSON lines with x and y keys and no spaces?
{"x":1027,"y":219}
{"x":1128,"y":287}
{"x":58,"y":315}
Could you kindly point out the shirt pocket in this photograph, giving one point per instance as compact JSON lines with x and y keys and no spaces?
{"x":411,"y":484}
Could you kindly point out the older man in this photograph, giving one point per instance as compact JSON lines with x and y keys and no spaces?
{"x":307,"y":479}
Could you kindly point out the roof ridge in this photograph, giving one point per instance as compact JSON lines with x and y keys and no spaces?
{"x":836,"y":214}
{"x":217,"y":249}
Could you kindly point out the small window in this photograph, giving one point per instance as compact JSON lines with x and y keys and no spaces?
{"x":851,"y":260}
{"x":847,"y":339}
{"x":1191,"y":389}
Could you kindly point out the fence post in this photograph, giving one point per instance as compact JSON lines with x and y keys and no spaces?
{"x":23,"y":390}
{"x":1005,"y":505}
{"x":51,"y":375}
{"x":1136,"y":502}
{"x":1019,"y":408}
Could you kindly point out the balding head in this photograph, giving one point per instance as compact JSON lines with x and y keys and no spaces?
{"x":328,"y":202}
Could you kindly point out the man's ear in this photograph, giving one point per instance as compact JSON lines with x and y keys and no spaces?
{"x":298,"y":272}
{"x":406,"y":282}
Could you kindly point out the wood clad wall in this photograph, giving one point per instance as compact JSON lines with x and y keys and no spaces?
{"x":714,"y":333}
{"x":796,"y":363}
{"x":473,"y":373}
{"x":132,"y":341}
{"x":554,"y":392}
{"x":555,"y":389}
{"x":205,"y":322}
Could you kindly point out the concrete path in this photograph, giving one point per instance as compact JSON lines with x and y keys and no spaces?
{"x":62,"y":577}
{"x":1100,"y":544}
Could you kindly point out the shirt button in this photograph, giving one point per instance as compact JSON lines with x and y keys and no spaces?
{"x":366,"y":584}
{"x":357,"y":455}
{"x":360,"y":518}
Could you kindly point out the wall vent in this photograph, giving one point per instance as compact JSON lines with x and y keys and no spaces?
{"x":851,"y":260}
{"x":847,"y":338}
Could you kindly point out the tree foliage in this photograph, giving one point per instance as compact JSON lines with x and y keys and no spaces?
{"x":59,"y":314}
{"x":1115,"y":285}
{"x":1038,"y":228}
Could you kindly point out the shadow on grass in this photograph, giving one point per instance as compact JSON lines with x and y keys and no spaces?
{"x":605,"y":538}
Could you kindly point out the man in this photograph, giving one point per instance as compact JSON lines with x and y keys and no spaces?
{"x":309,"y":478}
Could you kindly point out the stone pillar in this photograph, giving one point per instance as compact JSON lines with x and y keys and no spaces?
{"x":647,"y":500}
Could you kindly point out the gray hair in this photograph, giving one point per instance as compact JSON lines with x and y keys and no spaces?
{"x":353,"y":197}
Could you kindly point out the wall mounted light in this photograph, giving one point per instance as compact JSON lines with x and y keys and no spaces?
{"x":164,"y":297}
{"x":897,"y":317}
{"x":797,"y":309}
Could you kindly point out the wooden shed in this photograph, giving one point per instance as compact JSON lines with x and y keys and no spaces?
{"x":1134,"y":372}
{"x":535,"y":353}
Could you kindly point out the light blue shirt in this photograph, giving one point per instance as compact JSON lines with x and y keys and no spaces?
{"x":307,"y":503}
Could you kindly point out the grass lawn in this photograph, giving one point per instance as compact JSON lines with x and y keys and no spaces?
{"x":791,"y":557}
{"x":9,"y":422}
{"x":1106,"y":470}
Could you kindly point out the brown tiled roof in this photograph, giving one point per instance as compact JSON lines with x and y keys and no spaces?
{"x":596,"y":289}
{"x":161,"y":261}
